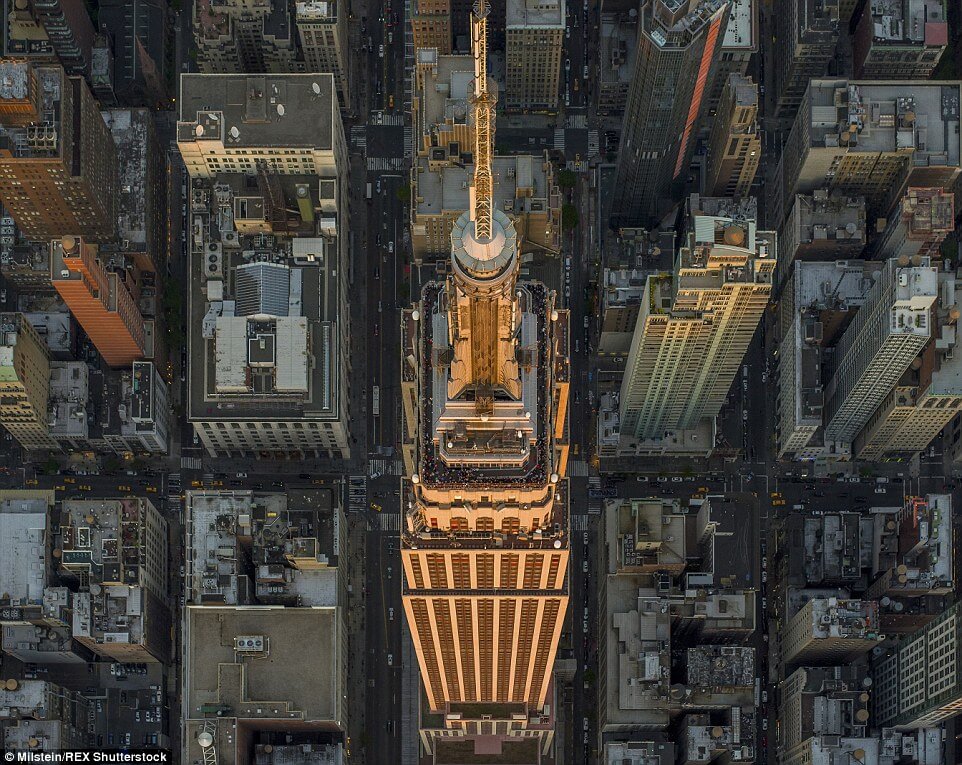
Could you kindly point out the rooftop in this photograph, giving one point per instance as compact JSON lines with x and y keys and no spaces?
{"x":741,"y":32}
{"x":24,"y":545}
{"x":645,"y":534}
{"x":262,"y":663}
{"x":240,"y":111}
{"x":520,"y":185}
{"x":535,"y":13}
{"x":675,"y":23}
{"x":40,"y":136}
{"x":108,"y":539}
{"x":132,"y":131}
{"x":639,"y":753}
{"x":265,"y":326}
{"x":921,"y":117}
{"x":918,"y":22}
{"x":720,"y":666}
{"x":928,"y":211}
{"x":825,"y":216}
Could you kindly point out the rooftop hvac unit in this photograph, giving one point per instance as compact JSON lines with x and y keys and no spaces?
{"x":249,"y":643}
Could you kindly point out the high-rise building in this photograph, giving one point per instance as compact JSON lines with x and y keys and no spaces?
{"x":696,"y":323}
{"x":900,"y":39}
{"x":276,"y":329}
{"x":534,"y":39}
{"x":245,"y":36}
{"x":616,"y":60}
{"x":870,"y":139}
{"x":484,"y":545}
{"x":917,"y":227}
{"x":679,"y":44}
{"x":100,"y":301}
{"x":235,"y":123}
{"x":322,"y":31}
{"x":431,"y":25}
{"x":830,"y":630}
{"x":50,"y":30}
{"x":264,"y":570}
{"x":115,"y":551}
{"x":820,"y":226}
{"x":142,"y":192}
{"x":24,"y":382}
{"x":58,"y":162}
{"x":735,"y":147}
{"x":919,"y":682}
{"x":739,"y":44}
{"x":813,"y":316}
{"x":807,"y":33}
{"x":888,"y":332}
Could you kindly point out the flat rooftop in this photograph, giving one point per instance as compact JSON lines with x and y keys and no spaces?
{"x":291,"y":678}
{"x":242,"y":111}
{"x":447,"y":190}
{"x":23,"y":543}
{"x":131,"y":131}
{"x":741,"y":32}
{"x":917,"y":116}
{"x":535,"y":13}
{"x":918,"y":22}
{"x":265,"y":326}
{"x":839,"y":285}
{"x":41,"y":138}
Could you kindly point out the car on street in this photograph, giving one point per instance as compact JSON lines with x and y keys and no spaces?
{"x":390,"y":659}
{"x":390,"y":614}
{"x":584,"y":566}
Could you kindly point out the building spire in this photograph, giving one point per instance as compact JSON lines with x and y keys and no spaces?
{"x":483,"y":101}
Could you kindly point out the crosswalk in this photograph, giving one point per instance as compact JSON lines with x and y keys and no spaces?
{"x":387,"y":118}
{"x":378,"y":466}
{"x":593,"y":143}
{"x":577,"y":121}
{"x":357,"y":492}
{"x":408,"y":141}
{"x":173,"y":489}
{"x":376,"y":164}
{"x":359,"y":136}
{"x":559,"y":139}
{"x":579,"y":522}
{"x":577,"y":468}
{"x":190,"y":463}
{"x":594,"y":504}
{"x":389,"y":521}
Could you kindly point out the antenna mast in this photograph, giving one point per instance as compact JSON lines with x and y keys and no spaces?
{"x":483,"y":101}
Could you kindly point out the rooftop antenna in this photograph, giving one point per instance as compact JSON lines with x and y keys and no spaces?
{"x":483,"y":102}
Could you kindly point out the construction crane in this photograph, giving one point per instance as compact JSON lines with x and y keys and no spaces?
{"x":484,"y":103}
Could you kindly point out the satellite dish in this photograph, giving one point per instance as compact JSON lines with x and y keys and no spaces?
{"x":199,"y":131}
{"x":280,"y":110}
{"x":205,"y":739}
{"x":316,"y":87}
{"x":234,"y":132}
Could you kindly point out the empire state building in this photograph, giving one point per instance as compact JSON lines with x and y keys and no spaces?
{"x":485,"y":541}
